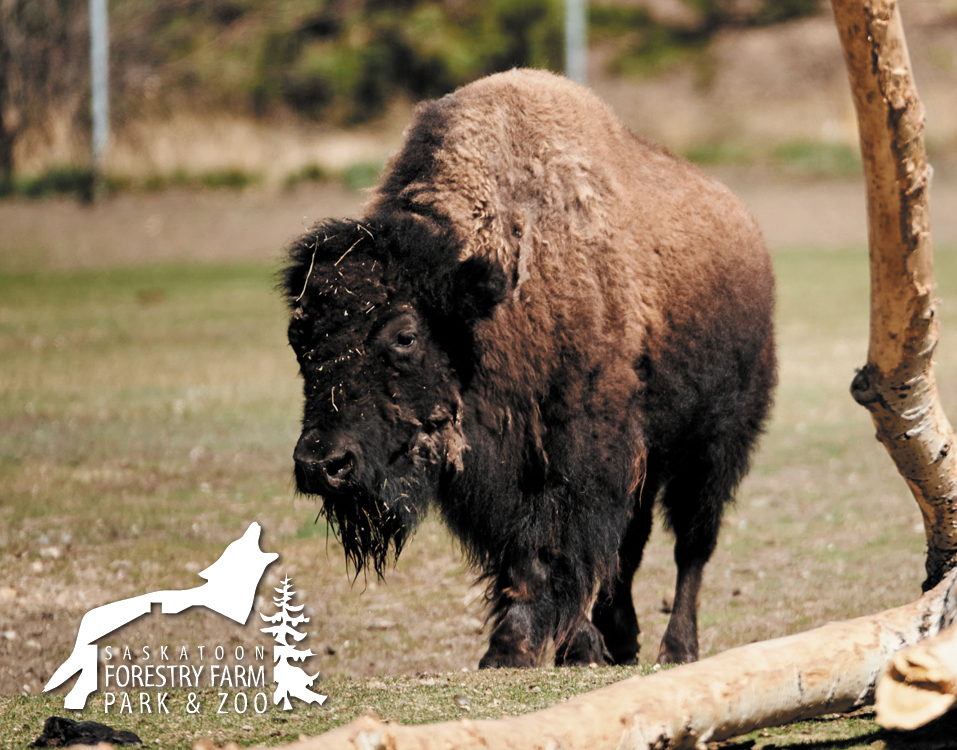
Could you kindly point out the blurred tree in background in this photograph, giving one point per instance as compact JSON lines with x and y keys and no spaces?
{"x":717,"y":13}
{"x":336,"y":61}
{"x":7,"y":129}
{"x":44,"y":62}
{"x":344,"y":61}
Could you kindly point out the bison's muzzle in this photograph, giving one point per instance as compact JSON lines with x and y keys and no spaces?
{"x":325,"y":465}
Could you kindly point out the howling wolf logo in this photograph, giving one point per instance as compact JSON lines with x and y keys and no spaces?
{"x":230,"y":589}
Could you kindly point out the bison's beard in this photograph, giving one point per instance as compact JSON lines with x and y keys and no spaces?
{"x":374,"y":514}
{"x":373,"y":527}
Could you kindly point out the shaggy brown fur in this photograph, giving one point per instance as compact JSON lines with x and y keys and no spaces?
{"x":542,"y":323}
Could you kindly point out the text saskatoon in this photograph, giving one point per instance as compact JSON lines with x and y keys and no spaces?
{"x":144,"y":669}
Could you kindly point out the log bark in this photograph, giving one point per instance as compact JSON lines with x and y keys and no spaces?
{"x":831,"y":669}
{"x":920,"y":683}
{"x":897,"y":384}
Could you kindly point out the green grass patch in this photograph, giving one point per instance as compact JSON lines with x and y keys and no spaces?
{"x":81,"y":183}
{"x":811,"y":159}
{"x":422,"y":699}
{"x":316,"y":528}
{"x":643,"y":45}
{"x":818,"y":159}
{"x":362,"y":175}
{"x":723,"y":153}
{"x":307,"y":173}
{"x":233,"y":179}
{"x":214,"y":179}
{"x":66,"y":180}
{"x":115,"y":381}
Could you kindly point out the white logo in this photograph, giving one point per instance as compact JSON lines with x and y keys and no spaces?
{"x":290,"y":680}
{"x":230,"y":589}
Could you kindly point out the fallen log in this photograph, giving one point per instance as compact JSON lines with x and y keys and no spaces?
{"x":831,"y":669}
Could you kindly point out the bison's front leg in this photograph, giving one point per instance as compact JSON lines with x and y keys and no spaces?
{"x":533,"y":604}
{"x":523,"y":615}
{"x":614,"y":610}
{"x":582,"y":646}
{"x":517,"y":639}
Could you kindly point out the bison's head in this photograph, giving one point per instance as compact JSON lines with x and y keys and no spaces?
{"x":382,"y":323}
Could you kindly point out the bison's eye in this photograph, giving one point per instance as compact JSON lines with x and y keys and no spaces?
{"x":400,"y":339}
{"x":404,"y":340}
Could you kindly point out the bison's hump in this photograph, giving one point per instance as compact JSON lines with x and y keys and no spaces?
{"x":527,"y":151}
{"x":610,"y":244}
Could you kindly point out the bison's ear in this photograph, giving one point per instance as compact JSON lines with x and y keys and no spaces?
{"x":478,"y":287}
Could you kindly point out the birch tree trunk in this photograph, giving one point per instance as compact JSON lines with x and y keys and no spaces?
{"x":897,"y":384}
{"x":831,"y":669}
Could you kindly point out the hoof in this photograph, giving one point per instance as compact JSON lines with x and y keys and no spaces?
{"x":625,"y":658}
{"x":623,"y":653}
{"x":498,"y":660}
{"x":676,"y":654}
{"x":579,"y":661}
{"x":585,"y":646}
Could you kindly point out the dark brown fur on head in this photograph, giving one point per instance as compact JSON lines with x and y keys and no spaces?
{"x":375,"y":336}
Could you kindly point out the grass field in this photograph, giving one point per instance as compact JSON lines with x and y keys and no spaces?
{"x":148,"y":415}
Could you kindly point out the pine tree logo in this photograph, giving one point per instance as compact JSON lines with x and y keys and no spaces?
{"x":291,"y":681}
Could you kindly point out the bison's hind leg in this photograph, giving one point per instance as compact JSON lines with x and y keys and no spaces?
{"x":614,"y":610}
{"x":694,"y":501}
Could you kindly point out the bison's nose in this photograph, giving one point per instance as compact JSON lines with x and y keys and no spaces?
{"x":338,"y":468}
{"x":330,"y":462}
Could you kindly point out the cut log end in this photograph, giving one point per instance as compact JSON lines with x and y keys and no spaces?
{"x":920,"y":683}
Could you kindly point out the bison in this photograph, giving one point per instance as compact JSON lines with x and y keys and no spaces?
{"x":542,"y":325}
